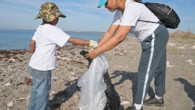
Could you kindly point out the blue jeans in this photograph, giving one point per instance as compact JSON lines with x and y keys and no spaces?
{"x":40,"y":89}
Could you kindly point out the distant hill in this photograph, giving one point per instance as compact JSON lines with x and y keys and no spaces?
{"x":85,"y":32}
{"x":182,"y":34}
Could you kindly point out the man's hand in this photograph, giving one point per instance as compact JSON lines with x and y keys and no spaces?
{"x":92,"y":54}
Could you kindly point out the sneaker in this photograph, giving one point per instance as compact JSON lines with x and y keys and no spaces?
{"x":154,"y":101}
{"x":132,"y":107}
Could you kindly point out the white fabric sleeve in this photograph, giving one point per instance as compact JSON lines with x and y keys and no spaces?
{"x":117,"y":18}
{"x":34,"y":36}
{"x":131,"y":15}
{"x":59,"y":37}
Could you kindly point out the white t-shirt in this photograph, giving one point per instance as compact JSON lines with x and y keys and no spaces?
{"x":47,"y":38}
{"x":133,"y":12}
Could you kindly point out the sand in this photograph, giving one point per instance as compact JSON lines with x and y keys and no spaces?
{"x":15,"y":81}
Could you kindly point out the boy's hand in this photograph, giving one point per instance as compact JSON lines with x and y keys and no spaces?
{"x":92,"y":44}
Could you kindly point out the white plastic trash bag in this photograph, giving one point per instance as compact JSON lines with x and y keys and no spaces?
{"x":93,"y":86}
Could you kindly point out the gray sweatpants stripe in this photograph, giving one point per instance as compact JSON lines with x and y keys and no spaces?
{"x":148,"y":68}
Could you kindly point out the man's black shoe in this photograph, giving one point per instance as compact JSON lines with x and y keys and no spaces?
{"x":154,"y":101}
{"x":132,"y":107}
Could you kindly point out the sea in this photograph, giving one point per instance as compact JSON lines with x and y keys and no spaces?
{"x":20,"y":39}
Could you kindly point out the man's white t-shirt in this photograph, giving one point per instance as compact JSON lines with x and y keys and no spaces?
{"x":47,"y":38}
{"x":133,"y":12}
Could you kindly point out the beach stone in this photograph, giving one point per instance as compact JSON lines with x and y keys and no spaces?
{"x":193,"y":47}
{"x":8,"y":84}
{"x":190,"y":61}
{"x":169,"y":65}
{"x":72,"y":73}
{"x":125,"y":102}
{"x":66,"y":59}
{"x":10,"y":104}
{"x":11,"y":60}
{"x":73,"y":77}
{"x":54,"y":78}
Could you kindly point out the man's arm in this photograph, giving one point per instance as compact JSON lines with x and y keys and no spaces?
{"x":108,"y":34}
{"x":111,"y":43}
{"x":32,"y":46}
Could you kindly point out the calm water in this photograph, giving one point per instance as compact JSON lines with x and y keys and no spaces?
{"x":10,"y":40}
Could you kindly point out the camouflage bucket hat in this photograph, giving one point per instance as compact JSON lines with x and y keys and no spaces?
{"x":49,"y":11}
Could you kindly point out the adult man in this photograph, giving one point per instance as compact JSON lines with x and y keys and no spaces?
{"x":153,"y":38}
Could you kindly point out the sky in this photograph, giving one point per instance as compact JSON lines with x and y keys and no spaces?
{"x":82,"y":15}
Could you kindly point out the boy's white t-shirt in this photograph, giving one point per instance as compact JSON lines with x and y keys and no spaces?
{"x":47,"y":38}
{"x":133,"y":12}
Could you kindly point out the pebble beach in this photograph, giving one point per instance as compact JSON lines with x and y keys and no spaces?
{"x":15,"y":81}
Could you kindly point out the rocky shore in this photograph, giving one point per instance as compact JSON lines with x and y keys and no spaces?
{"x":15,"y":82}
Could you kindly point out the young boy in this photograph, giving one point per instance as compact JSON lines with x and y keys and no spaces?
{"x":46,"y":39}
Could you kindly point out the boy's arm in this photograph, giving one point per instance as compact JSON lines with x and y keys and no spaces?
{"x":78,"y":41}
{"x":32,"y":46}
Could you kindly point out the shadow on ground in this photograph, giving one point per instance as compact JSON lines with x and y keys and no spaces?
{"x":63,"y":96}
{"x":189,"y":89}
{"x":129,"y":76}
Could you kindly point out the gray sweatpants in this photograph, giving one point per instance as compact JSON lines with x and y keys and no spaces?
{"x":152,"y":64}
